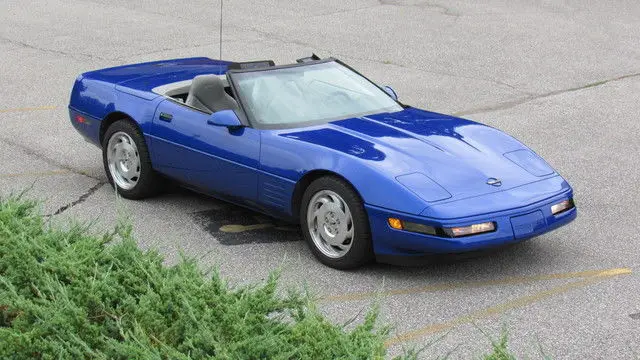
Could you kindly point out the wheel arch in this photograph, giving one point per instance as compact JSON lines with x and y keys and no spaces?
{"x":306,"y":180}
{"x":112,"y":118}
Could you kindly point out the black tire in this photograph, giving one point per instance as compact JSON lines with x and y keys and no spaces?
{"x":361,"y":250}
{"x":149,"y":182}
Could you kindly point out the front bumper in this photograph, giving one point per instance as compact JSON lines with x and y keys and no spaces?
{"x":513,"y":225}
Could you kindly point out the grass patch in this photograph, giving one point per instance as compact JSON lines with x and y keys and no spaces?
{"x":65,"y":293}
{"x":499,"y":349}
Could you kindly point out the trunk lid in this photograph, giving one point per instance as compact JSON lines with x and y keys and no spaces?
{"x":140,"y":79}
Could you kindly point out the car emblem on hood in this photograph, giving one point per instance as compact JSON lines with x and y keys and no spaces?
{"x":494,"y":182}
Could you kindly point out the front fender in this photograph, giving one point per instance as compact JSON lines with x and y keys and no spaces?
{"x":291,"y":155}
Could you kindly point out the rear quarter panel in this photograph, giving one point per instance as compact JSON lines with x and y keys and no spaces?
{"x":128,"y":89}
{"x":95,"y":99}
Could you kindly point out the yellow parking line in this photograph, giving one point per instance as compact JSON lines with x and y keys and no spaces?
{"x":28,"y":109}
{"x":514,"y":280}
{"x":509,"y":305}
{"x":35,"y":173}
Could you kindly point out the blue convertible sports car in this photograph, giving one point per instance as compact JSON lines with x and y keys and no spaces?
{"x":318,"y":143}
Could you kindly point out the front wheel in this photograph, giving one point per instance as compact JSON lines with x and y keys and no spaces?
{"x":127,"y":162}
{"x":335,"y":224}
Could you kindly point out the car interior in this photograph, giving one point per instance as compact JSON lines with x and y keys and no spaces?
{"x":208,"y":93}
{"x":324,"y":91}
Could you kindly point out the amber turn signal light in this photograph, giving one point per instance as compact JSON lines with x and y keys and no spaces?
{"x":395,"y":223}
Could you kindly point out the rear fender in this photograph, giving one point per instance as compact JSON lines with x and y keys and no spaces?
{"x":94,"y":100}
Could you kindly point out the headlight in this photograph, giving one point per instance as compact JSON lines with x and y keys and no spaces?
{"x":562,"y":206}
{"x":442,"y":232}
{"x":529,"y":161}
{"x":421,"y":185}
{"x":470,"y":230}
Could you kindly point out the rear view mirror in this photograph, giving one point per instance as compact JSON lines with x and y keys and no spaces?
{"x":227,"y":118}
{"x":389,"y":90}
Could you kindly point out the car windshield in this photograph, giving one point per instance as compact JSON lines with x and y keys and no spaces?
{"x":311,"y":93}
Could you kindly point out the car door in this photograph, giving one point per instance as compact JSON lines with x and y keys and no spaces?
{"x":212,"y":158}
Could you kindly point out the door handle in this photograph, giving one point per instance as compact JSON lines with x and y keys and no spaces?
{"x":165,"y":117}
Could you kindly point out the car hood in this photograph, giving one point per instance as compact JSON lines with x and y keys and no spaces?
{"x":460,"y":155}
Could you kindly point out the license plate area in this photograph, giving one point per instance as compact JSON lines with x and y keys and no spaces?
{"x":528,"y":224}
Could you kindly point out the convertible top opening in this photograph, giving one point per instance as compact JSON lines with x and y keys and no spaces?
{"x":178,"y":90}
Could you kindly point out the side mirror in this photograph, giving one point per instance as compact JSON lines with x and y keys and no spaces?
{"x":227,"y":118}
{"x":389,"y":90}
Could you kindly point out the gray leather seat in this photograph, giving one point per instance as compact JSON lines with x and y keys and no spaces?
{"x":207,"y":93}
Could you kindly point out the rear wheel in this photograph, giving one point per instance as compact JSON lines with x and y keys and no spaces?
{"x":335,"y":224}
{"x":127,"y":162}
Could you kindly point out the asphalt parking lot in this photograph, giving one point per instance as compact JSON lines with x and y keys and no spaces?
{"x":561,"y":76}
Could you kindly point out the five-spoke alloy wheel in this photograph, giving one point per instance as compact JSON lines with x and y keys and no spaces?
{"x":335,"y":224}
{"x":127,"y":162}
{"x":330,"y":224}
{"x":123,"y":160}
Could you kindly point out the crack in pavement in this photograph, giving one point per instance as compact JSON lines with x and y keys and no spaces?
{"x":444,"y":73}
{"x":124,"y":57}
{"x":58,"y":52}
{"x":31,"y":152}
{"x":444,"y":10}
{"x":343,"y":11}
{"x":275,"y":37}
{"x":497,"y":82}
{"x":281,"y":39}
{"x":124,"y":6}
{"x":213,"y":45}
{"x":79,"y":200}
{"x":513,"y":103}
{"x":272,"y":36}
